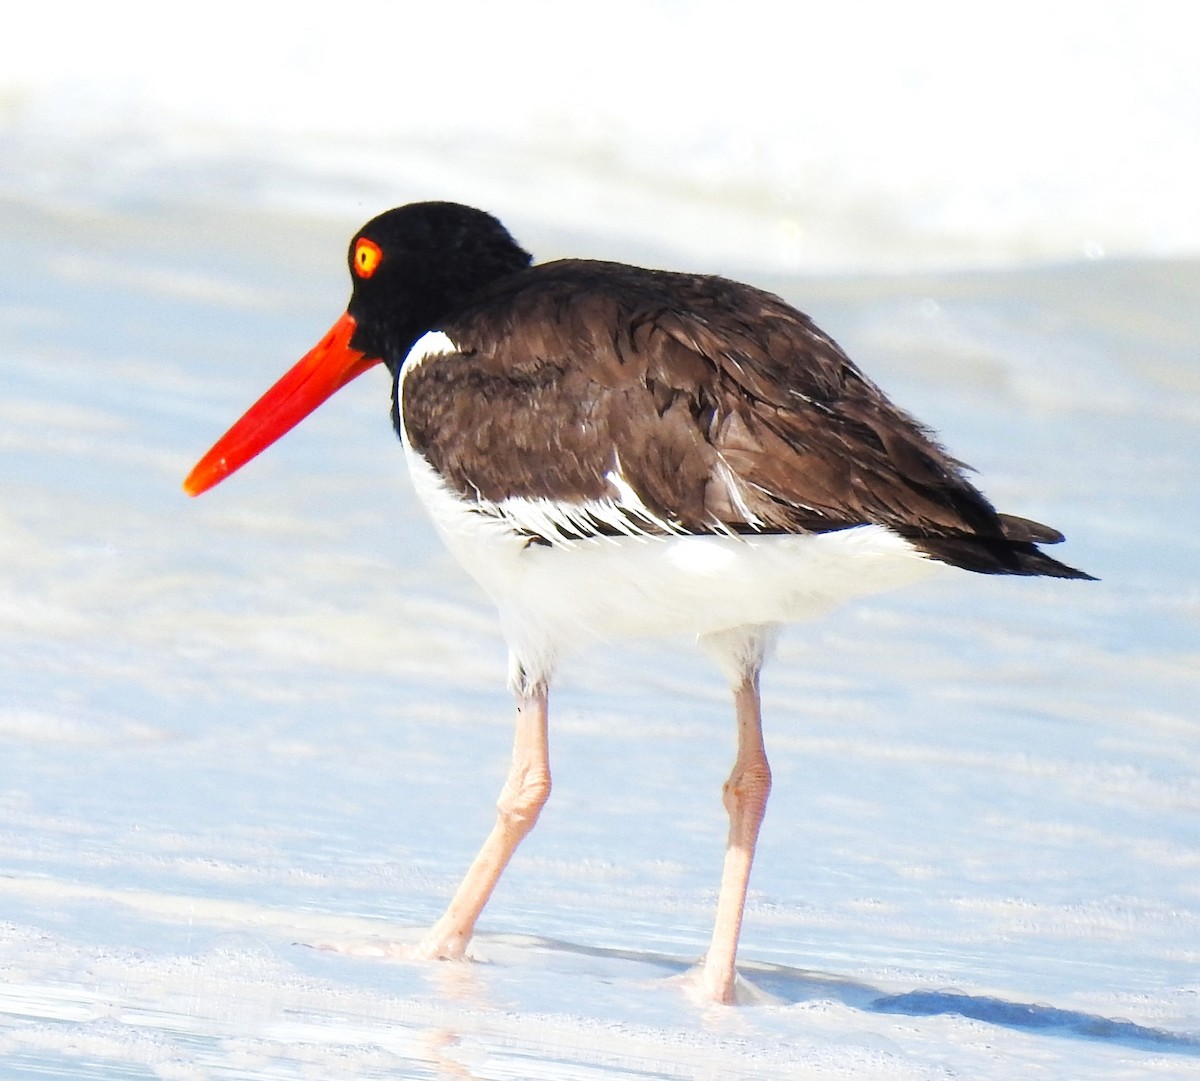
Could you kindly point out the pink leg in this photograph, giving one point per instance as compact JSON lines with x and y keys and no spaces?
{"x":521,"y":801}
{"x":745,"y":797}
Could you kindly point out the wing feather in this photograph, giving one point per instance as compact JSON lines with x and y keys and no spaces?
{"x":640,"y":401}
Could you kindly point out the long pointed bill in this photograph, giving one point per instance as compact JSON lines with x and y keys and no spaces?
{"x":324,"y":370}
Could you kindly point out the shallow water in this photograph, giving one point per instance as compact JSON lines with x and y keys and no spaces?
{"x":275,"y":715}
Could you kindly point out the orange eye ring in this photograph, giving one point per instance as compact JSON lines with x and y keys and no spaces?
{"x":367,"y":257}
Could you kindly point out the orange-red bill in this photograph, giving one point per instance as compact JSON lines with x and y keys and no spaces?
{"x":321,"y":372}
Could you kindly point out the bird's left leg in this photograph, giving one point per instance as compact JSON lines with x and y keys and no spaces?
{"x":524,"y":794}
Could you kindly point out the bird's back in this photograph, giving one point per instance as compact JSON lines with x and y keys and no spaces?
{"x":644,"y":401}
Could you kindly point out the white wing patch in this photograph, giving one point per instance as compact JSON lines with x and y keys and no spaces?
{"x":433,"y":344}
{"x":734,"y":490}
{"x":561,"y":523}
{"x":558,"y":522}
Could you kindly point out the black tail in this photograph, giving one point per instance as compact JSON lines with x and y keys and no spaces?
{"x":1014,"y":551}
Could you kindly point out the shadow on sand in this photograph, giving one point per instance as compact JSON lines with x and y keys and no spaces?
{"x":795,"y":985}
{"x":789,"y":986}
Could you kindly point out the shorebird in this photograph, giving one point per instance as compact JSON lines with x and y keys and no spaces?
{"x":610,"y":450}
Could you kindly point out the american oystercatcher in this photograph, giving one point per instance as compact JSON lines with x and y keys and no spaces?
{"x":610,"y":450}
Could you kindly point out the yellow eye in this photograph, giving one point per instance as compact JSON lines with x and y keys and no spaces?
{"x":367,"y":257}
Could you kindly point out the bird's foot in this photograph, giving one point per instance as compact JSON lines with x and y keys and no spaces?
{"x":702,"y":987}
{"x":432,"y":947}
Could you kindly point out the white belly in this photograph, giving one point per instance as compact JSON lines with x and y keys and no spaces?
{"x":553,"y":598}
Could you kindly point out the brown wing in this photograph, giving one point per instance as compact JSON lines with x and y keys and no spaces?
{"x":721,"y":408}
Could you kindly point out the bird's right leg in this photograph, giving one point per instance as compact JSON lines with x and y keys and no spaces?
{"x":521,"y":801}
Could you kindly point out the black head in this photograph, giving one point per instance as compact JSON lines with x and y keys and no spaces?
{"x":418,"y":264}
{"x":412,"y":267}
